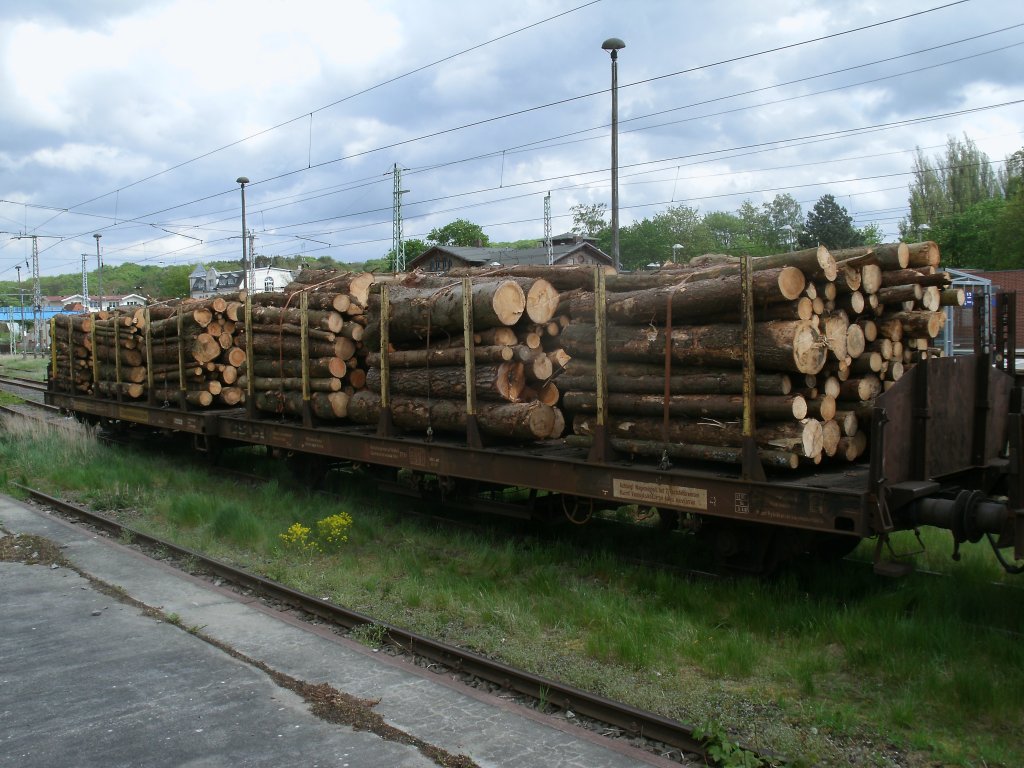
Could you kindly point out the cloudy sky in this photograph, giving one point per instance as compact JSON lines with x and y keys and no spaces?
{"x":133,"y":118}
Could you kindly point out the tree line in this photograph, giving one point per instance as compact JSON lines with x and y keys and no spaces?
{"x":968,"y":204}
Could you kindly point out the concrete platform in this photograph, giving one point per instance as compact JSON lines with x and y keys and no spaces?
{"x":87,"y":680}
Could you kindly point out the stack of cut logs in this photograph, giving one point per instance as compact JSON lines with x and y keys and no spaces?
{"x":72,"y":347}
{"x":335,"y":317}
{"x":513,"y":369}
{"x":211,"y":360}
{"x":832,"y":331}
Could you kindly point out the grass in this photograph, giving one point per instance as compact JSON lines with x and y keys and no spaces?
{"x":24,"y":367}
{"x":827,"y":665}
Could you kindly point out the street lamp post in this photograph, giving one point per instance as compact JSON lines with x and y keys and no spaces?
{"x":613,"y":45}
{"x":245,"y":258}
{"x":99,"y":271}
{"x":675,"y":248}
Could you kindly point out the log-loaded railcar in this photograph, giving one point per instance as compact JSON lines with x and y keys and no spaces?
{"x":944,"y":437}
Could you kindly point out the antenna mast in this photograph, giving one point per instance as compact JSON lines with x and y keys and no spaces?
{"x":547,"y":228}
{"x":85,"y":283}
{"x":397,"y":239}
{"x":250,"y":278}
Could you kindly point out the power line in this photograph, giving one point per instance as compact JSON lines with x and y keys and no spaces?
{"x":517,"y":112}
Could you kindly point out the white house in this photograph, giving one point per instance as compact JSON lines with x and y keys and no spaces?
{"x":99,"y":304}
{"x":204,"y":283}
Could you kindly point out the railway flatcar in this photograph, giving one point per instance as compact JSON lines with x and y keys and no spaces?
{"x":944,"y":445}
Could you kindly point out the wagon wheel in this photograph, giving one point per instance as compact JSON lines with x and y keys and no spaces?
{"x":578,"y":511}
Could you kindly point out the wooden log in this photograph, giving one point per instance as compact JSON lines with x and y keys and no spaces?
{"x":803,"y":437}
{"x":323,"y":405}
{"x":861,"y":388}
{"x":204,"y":348}
{"x":494,"y":337}
{"x":356,"y":284}
{"x":417,"y":312}
{"x":322,"y":300}
{"x":193,"y":320}
{"x":504,"y":381}
{"x":899,"y":293}
{"x":319,"y":367}
{"x":562,"y":278}
{"x":871,"y":279}
{"x":695,"y":406}
{"x":925,"y":254}
{"x":650,"y":379}
{"x":822,"y":408}
{"x":887,"y":256}
{"x":779,"y":345}
{"x":869,"y":362}
{"x":931,"y":298}
{"x":694,"y":300}
{"x":200,"y":398}
{"x":270,"y":345}
{"x":273,"y":316}
{"x":836,"y":332}
{"x":830,"y":437}
{"x":134,"y":374}
{"x":923,"y":276}
{"x":125,"y":389}
{"x":518,"y":421}
{"x":690,"y":452}
{"x":287,"y":329}
{"x":952,"y":297}
{"x":542,"y":298}
{"x":855,"y":341}
{"x":421,"y":358}
{"x":328,"y":384}
{"x":919,"y":323}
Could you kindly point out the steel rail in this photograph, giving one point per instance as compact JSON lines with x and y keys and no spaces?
{"x":630,"y":719}
{"x":14,"y":381}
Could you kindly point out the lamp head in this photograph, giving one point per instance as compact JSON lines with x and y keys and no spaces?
{"x":613,"y":44}
{"x":242,"y":180}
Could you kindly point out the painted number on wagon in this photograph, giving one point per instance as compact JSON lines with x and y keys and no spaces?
{"x":662,"y":494}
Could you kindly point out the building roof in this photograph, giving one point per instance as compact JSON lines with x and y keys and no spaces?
{"x":507,"y":257}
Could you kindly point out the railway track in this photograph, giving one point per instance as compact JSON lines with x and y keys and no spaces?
{"x":29,"y":389}
{"x":624,"y":719}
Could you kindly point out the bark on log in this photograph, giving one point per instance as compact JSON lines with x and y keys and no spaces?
{"x":193,"y":397}
{"x":695,"y":300}
{"x":925,"y":254}
{"x":493,"y":382}
{"x":689,"y":452}
{"x":415,"y":312}
{"x":694,"y":406}
{"x":800,"y":437}
{"x":356,"y":284}
{"x":421,"y":358}
{"x":779,"y":345}
{"x":322,"y":300}
{"x":268,"y":345}
{"x":264,"y":383}
{"x":274,"y":316}
{"x":519,"y":421}
{"x":319,"y":367}
{"x":562,"y":278}
{"x":333,"y":405}
{"x":887,"y":256}
{"x":650,"y":379}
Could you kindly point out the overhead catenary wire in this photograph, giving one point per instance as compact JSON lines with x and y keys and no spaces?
{"x":799,"y":96}
{"x":527,"y":110}
{"x":301,"y":224}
